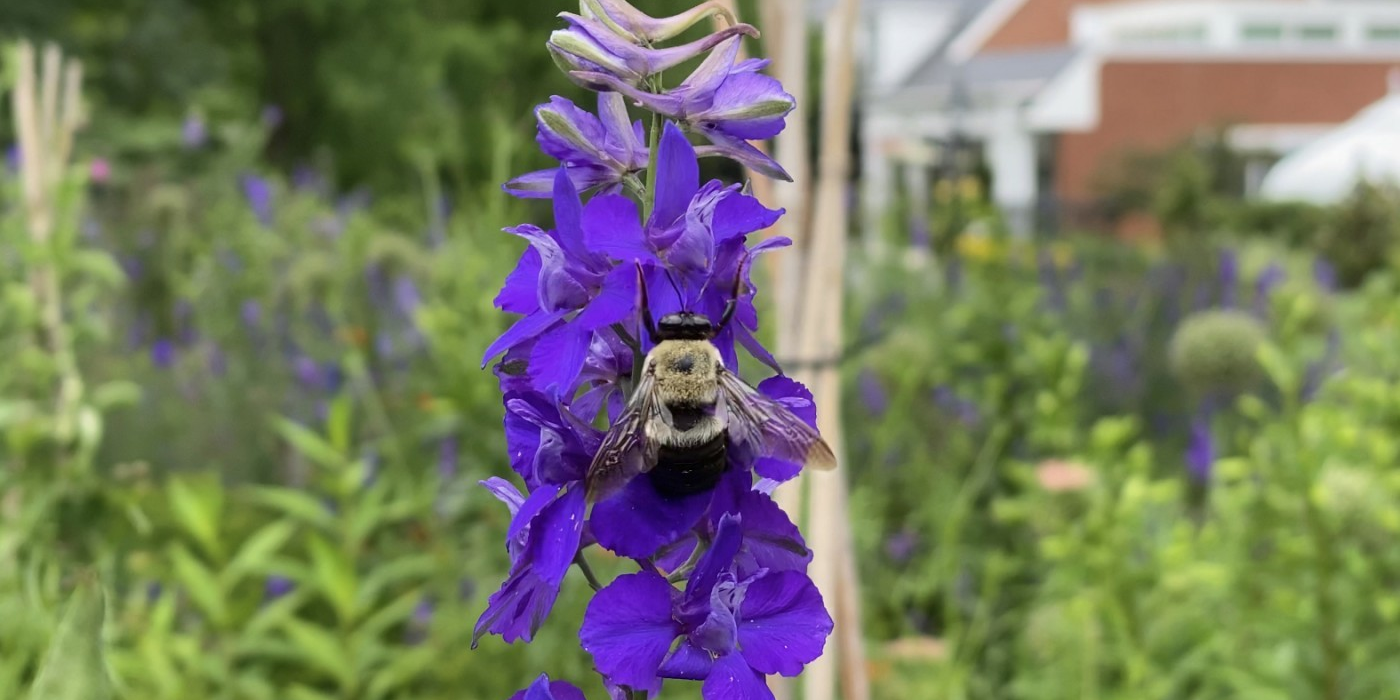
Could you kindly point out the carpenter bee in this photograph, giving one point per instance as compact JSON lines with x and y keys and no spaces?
{"x":687,"y":411}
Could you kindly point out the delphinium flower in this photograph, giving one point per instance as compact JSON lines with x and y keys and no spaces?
{"x":721,"y":594}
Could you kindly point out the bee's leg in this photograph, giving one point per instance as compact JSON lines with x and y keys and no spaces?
{"x":733,"y":303}
{"x":647,"y":323}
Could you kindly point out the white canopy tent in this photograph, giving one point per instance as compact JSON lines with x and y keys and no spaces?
{"x":1327,"y":170}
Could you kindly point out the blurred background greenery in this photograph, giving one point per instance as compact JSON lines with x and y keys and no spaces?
{"x":1080,"y":468}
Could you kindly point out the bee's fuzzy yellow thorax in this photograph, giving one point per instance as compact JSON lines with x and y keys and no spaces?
{"x":686,"y":371}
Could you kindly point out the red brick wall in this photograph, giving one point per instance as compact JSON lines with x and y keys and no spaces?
{"x":1036,"y":23}
{"x":1149,"y":105}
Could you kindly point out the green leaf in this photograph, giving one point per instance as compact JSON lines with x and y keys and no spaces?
{"x":335,"y":576}
{"x":381,"y":578}
{"x":309,"y":444}
{"x":75,"y":667}
{"x":255,"y":553}
{"x":322,"y":650}
{"x":296,"y":504}
{"x":399,"y":610}
{"x":201,"y":584}
{"x":199,"y":513}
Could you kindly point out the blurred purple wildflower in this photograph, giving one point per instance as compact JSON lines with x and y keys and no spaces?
{"x":12,"y":158}
{"x":1229,"y":271}
{"x":447,"y":458}
{"x":964,"y":410}
{"x":1269,"y":280}
{"x":900,"y":546}
{"x":1325,"y":274}
{"x":1200,"y":449}
{"x":276,"y":587}
{"x":258,"y":193}
{"x":194,"y":133}
{"x":271,"y":117}
{"x":872,"y":393}
{"x":251,"y":313}
{"x":163,"y":353}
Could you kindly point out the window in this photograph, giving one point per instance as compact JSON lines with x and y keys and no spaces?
{"x":1383,"y":33}
{"x":1317,"y":32}
{"x":1180,"y":34}
{"x":1263,"y":33}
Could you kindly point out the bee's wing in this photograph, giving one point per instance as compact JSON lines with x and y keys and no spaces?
{"x":626,"y":451}
{"x":769,"y":428}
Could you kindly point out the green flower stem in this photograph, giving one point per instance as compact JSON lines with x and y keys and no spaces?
{"x":649,"y":198}
{"x":587,"y":570}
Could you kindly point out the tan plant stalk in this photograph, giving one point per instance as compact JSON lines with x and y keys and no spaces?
{"x":47,"y":107}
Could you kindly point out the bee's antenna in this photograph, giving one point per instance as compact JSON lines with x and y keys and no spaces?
{"x":676,"y":287}
{"x":733,"y":303}
{"x":644,"y":305}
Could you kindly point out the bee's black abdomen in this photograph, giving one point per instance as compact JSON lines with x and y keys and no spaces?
{"x":689,"y":470}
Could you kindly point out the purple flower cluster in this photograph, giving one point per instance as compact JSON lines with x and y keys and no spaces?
{"x":721,"y":595}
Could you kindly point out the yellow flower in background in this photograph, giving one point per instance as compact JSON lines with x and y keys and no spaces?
{"x":1062,"y":254}
{"x":969,"y":187}
{"x":978,"y":247}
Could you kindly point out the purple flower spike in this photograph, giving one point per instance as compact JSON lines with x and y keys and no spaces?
{"x":1200,"y":451}
{"x":728,"y":103}
{"x":259,"y":195}
{"x":163,"y":353}
{"x":544,"y":689}
{"x":590,"y":46}
{"x":638,"y":27}
{"x":723,"y":630}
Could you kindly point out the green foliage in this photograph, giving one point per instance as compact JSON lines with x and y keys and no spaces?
{"x":74,"y":667}
{"x":1362,"y":237}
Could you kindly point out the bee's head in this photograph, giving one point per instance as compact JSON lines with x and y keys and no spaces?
{"x":685,"y":326}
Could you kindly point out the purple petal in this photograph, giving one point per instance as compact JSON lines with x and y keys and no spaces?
{"x":505,"y":492}
{"x":568,"y":218}
{"x":628,"y":629}
{"x":620,"y":138}
{"x":793,"y":395}
{"x":742,"y":152}
{"x":637,"y":521}
{"x":677,"y":176}
{"x":770,"y":540}
{"x":537,"y":184}
{"x":615,"y":302}
{"x":716,"y":560}
{"x":541,"y":497}
{"x":543,"y":689}
{"x":711,"y":73}
{"x":557,"y":287}
{"x":687,"y":662}
{"x":558,"y":358}
{"x":554,"y":537}
{"x":517,"y":610}
{"x":739,"y":215}
{"x":733,"y":679}
{"x":749,"y":106}
{"x":756,"y":349}
{"x":665,"y":104}
{"x":782,"y":624}
{"x":520,"y":294}
{"x":611,"y":225}
{"x":525,"y":329}
{"x":567,"y":133}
